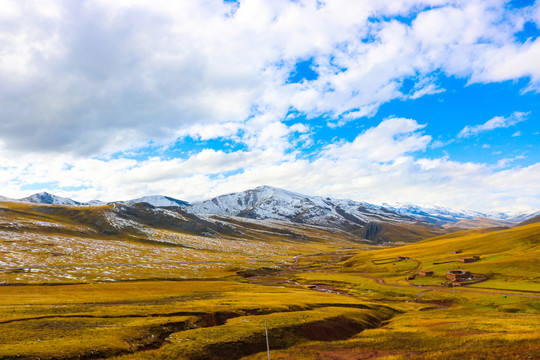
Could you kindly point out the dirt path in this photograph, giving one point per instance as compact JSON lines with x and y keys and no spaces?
{"x":418,"y":265}
{"x":376,"y":279}
{"x":421,"y":294}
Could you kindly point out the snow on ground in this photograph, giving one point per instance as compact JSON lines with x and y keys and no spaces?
{"x":39,"y":257}
{"x":120,"y":223}
{"x":38,"y":251}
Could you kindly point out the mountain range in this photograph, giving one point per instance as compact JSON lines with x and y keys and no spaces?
{"x":271,"y":203}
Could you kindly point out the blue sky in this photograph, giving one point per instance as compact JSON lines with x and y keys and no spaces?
{"x":433,"y":102}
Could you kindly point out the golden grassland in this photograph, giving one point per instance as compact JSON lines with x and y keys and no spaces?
{"x":108,"y":319}
{"x":165,"y":294}
{"x":432,"y":335}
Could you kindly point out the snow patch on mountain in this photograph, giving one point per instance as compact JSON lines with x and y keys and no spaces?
{"x":432,"y":213}
{"x":266,"y":202}
{"x":95,"y":203}
{"x":46,"y":198}
{"x":271,"y":203}
{"x":158,"y":200}
{"x":441,"y":215}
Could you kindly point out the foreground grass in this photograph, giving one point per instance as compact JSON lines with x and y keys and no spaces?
{"x":83,"y":337}
{"x":459,"y":333}
{"x":433,"y":335}
{"x":245,"y":335}
{"x":116,"y":318}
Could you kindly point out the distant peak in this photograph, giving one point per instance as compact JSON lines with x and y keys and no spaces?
{"x":47,"y":198}
{"x":266,"y":187}
{"x":273,"y":189}
{"x":43,"y":193}
{"x":158,"y":200}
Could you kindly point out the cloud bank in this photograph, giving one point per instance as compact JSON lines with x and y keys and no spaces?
{"x":97,"y":95}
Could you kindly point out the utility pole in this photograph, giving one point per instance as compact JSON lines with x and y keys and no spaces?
{"x":267,"y":343}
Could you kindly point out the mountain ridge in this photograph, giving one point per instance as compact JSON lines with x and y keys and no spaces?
{"x":157,"y":201}
{"x":47,"y":198}
{"x":268,"y":202}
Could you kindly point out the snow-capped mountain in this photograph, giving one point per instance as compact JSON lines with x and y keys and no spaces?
{"x":440,"y":215}
{"x":95,"y":202}
{"x":3,"y":198}
{"x":433,"y":214}
{"x":158,"y":201}
{"x":518,"y":217}
{"x":46,"y":198}
{"x":266,"y":202}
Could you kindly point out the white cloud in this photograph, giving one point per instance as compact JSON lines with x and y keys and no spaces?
{"x":510,"y":61}
{"x":384,"y":163}
{"x":494,"y":123}
{"x":85,"y":82}
{"x":393,"y":138}
{"x":429,"y":89}
{"x":101,"y":76}
{"x":503,"y":163}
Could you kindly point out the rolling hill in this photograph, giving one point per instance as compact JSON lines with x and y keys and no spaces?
{"x":135,"y":281}
{"x":532,"y":220}
{"x":271,"y":203}
{"x":509,"y":257}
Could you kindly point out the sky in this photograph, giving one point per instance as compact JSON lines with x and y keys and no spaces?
{"x":384,"y":101}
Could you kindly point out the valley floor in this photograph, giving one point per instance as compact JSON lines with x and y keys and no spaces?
{"x":314,"y":309}
{"x":320,"y":297}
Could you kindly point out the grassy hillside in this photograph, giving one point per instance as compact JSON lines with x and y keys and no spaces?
{"x":532,"y":220}
{"x":59,"y":244}
{"x":508,"y":257}
{"x":99,"y":283}
{"x":397,"y":233}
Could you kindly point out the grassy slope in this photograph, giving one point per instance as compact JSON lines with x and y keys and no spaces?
{"x":468,"y":325}
{"x":399,"y":233}
{"x":109,"y":319}
{"x":56,"y":244}
{"x":511,"y":254}
{"x":202,"y":318}
{"x":533,"y":220}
